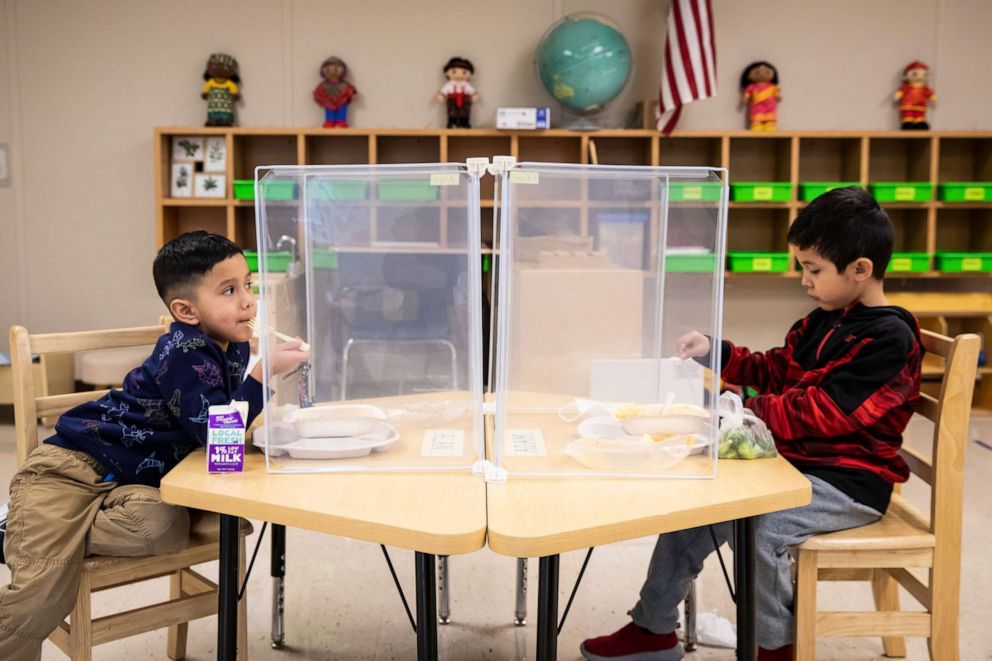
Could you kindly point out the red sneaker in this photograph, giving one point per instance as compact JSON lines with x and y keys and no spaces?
{"x":786,"y":653}
{"x":632,"y":643}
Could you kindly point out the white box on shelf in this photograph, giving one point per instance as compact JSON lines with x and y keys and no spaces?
{"x":215,"y":154}
{"x":209,"y":185}
{"x":187,"y":148}
{"x":182,"y":179}
{"x":523,"y":118}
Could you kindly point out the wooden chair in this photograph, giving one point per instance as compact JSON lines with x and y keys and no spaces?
{"x":885,"y":552}
{"x":191,"y":595}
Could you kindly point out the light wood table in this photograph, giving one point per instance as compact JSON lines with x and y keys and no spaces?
{"x":543,"y":517}
{"x":431,"y":513}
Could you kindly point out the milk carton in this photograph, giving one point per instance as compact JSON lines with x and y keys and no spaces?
{"x":226,"y":438}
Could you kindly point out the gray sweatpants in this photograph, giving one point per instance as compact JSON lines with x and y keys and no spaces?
{"x":678,"y":558}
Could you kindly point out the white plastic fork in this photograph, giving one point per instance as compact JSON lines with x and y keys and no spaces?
{"x":253,"y":325}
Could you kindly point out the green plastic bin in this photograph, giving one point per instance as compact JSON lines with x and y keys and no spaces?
{"x":962,"y":262}
{"x":810,"y":190}
{"x":965,"y":191}
{"x":407,"y":191}
{"x":690,"y":263}
{"x":909,"y":262}
{"x":761,"y":191}
{"x":686,"y":191}
{"x":758,"y":262}
{"x":901,"y":191}
{"x":324,"y":259}
{"x":277,"y":262}
{"x":244,"y":189}
{"x":337,"y":190}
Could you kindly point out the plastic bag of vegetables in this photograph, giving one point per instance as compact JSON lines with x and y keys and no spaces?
{"x":742,"y":434}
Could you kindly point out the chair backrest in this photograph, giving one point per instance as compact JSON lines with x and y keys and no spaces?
{"x":31,"y":400}
{"x":950,"y":413}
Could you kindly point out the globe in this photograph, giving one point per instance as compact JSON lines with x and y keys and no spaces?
{"x":583,"y":62}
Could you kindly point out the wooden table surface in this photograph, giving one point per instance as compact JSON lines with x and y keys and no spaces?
{"x":438,"y":513}
{"x":535,"y":517}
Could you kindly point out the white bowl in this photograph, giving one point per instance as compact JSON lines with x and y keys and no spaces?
{"x":659,"y":420}
{"x":336,"y":420}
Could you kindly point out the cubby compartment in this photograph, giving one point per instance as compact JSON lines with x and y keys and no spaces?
{"x":757,"y":230}
{"x":407,"y":226}
{"x":557,"y":149}
{"x":696,"y":151}
{"x":186,"y":218}
{"x":250,"y":151}
{"x":337,"y":149}
{"x":910,"y":229}
{"x":964,"y":230}
{"x":545,"y":220}
{"x":760,"y":159}
{"x":398,"y":149}
{"x":621,"y":151}
{"x":464,"y":147}
{"x":344,"y":225}
{"x":965,"y":159}
{"x":830,"y":159}
{"x":896,"y":159}
{"x":283,"y":223}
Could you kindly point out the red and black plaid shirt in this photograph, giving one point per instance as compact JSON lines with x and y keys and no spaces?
{"x":838,"y":395}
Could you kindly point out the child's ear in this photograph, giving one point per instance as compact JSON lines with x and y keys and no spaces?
{"x":183,"y":311}
{"x":863,"y":268}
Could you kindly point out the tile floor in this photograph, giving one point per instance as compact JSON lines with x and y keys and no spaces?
{"x":341,"y":602}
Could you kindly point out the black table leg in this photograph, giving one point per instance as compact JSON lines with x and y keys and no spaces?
{"x":227,"y":603}
{"x":278,"y":571}
{"x":744,"y":575}
{"x":547,"y":608}
{"x":426,"y":607}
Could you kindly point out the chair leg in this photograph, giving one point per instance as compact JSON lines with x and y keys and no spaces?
{"x":886,"y":592}
{"x":242,"y":606}
{"x":176,"y":646}
{"x":81,"y":623}
{"x":689,"y":608}
{"x":944,"y":596}
{"x":806,"y":577}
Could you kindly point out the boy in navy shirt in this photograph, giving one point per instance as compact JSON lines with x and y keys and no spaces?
{"x":837,"y":398}
{"x":92,"y":488}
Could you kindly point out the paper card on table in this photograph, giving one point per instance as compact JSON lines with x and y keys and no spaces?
{"x":524,"y":443}
{"x":443,"y":443}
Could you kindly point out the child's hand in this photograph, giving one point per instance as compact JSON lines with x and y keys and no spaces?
{"x":693,"y":345}
{"x":283,"y":357}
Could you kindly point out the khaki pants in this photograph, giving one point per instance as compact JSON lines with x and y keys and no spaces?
{"x":61,"y":510}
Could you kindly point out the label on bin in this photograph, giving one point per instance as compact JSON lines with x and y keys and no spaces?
{"x":901,"y":264}
{"x":763,"y":192}
{"x":524,"y":443}
{"x":692,"y":192}
{"x":523,"y":177}
{"x":761,"y":264}
{"x":971,"y":264}
{"x":905,"y":193}
{"x":974,"y":193}
{"x":443,"y":443}
{"x":444,"y":179}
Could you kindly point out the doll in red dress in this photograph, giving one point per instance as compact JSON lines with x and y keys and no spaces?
{"x":761,"y":93}
{"x":334,"y":93}
{"x":914,"y":96}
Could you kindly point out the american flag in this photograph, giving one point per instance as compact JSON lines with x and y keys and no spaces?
{"x":688,"y":71}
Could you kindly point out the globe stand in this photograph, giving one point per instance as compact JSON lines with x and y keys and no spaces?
{"x":575,"y":121}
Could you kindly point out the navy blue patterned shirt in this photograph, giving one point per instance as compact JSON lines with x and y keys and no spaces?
{"x":140,"y":432}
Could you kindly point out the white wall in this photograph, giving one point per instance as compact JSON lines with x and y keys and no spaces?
{"x":82,"y":84}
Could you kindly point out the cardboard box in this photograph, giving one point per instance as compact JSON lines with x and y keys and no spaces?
{"x":523,"y":118}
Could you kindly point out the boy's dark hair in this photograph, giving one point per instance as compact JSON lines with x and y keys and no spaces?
{"x":845,"y":224}
{"x":182,"y":262}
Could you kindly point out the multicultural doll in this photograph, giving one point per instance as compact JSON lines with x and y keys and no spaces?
{"x":221,"y":89}
{"x":914,"y":96}
{"x":334,"y":93}
{"x":760,"y":93}
{"x":458,"y":92}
